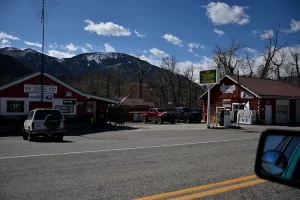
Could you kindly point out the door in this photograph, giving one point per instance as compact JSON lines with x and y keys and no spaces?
{"x":268,"y":114}
{"x":282,"y":114}
{"x":91,"y":107}
{"x":297,"y":111}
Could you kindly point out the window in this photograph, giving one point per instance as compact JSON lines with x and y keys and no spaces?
{"x":162,"y":110}
{"x":42,"y":114}
{"x":14,"y":106}
{"x":186,"y":109}
{"x":65,"y":108}
{"x":30,"y":115}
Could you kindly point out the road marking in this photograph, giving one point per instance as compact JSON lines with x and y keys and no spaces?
{"x":194,"y":189}
{"x":221,"y":190}
{"x":124,"y":149}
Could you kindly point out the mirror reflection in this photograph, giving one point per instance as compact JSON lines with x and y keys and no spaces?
{"x":280,"y":157}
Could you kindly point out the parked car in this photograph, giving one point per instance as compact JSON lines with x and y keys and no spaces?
{"x":158,"y":115}
{"x":187,"y":114}
{"x":44,"y":122}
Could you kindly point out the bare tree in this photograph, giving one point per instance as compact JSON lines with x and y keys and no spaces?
{"x":227,"y":59}
{"x":140,"y":70}
{"x":296,"y":56}
{"x":169,"y":65}
{"x":109,"y":77}
{"x":272,"y":48}
{"x":189,"y":75}
{"x":278,"y":61}
{"x":248,"y":65}
{"x":118,"y":80}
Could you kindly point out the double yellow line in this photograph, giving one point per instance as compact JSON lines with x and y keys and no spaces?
{"x":214,"y":188}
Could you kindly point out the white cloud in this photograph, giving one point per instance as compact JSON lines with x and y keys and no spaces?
{"x":158,"y":53}
{"x":267,"y":34}
{"x":219,"y":32}
{"x":70,"y":47}
{"x":84,"y":50}
{"x":5,"y":42}
{"x":139,"y":34}
{"x":250,"y":50}
{"x":194,"y":46}
{"x":295,"y":26}
{"x":109,"y":48}
{"x":221,"y":13}
{"x":173,"y":39}
{"x":59,"y":54}
{"x":6,"y":36}
{"x":87,"y":45}
{"x":106,"y":29}
{"x":33,"y":44}
{"x":197,"y":55}
{"x":53,"y":46}
{"x":255,"y":32}
{"x":145,"y":51}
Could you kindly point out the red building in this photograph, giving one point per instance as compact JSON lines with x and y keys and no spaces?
{"x":22,"y":95}
{"x":275,"y":102}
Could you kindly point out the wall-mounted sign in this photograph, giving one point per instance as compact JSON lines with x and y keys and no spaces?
{"x":246,"y":95}
{"x":14,"y":106}
{"x":227,"y":88}
{"x":211,"y":76}
{"x":37,"y":97}
{"x":68,"y":94}
{"x":65,"y":109}
{"x":52,"y":89}
{"x":69,"y":102}
{"x":227,"y":103}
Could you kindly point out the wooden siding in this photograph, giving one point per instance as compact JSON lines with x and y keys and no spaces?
{"x":217,"y":97}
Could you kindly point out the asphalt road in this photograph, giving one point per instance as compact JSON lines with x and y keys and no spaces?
{"x":132,"y":164}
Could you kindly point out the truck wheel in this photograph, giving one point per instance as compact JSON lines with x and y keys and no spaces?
{"x":145,"y":120}
{"x":172,"y":121}
{"x":25,"y":135}
{"x":58,"y":137}
{"x":159,"y":121}
{"x":187,"y":120}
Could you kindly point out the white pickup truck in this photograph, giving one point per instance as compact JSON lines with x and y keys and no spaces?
{"x":44,"y":122}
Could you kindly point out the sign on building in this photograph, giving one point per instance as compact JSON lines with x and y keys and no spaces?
{"x":211,"y":76}
{"x":52,"y":89}
{"x":38,"y":96}
{"x":227,"y":103}
{"x":246,"y":95}
{"x":65,"y":109}
{"x":14,"y":106}
{"x":227,"y":88}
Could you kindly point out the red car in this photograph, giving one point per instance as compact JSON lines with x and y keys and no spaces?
{"x":159,"y":116}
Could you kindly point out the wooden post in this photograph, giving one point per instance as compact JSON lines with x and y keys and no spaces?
{"x":110,"y":113}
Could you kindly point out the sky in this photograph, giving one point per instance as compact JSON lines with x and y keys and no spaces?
{"x":188,"y":30}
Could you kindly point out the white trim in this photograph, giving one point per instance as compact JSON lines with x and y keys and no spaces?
{"x":233,"y":81}
{"x":236,"y":104}
{"x":19,"y":81}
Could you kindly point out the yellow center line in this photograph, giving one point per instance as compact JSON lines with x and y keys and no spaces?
{"x":220,"y":190}
{"x":194,"y":189}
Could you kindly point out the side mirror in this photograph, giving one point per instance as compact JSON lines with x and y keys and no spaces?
{"x":278,"y":157}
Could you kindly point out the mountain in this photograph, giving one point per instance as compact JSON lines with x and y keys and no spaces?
{"x":11,"y":68}
{"x":79,"y":65}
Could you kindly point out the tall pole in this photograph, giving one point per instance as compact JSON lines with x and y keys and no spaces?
{"x":208,"y":107}
{"x":42,"y":75}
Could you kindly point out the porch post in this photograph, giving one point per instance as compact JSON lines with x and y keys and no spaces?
{"x":110,"y":113}
{"x":115,"y":114}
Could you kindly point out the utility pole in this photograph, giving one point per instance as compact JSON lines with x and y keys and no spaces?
{"x":42,"y":75}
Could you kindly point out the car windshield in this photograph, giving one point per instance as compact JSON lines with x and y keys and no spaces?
{"x":42,"y":114}
{"x":162,"y":110}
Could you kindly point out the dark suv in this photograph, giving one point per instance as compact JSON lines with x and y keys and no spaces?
{"x":187,"y":114}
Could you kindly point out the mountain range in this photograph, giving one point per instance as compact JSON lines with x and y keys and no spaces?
{"x":79,"y":65}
